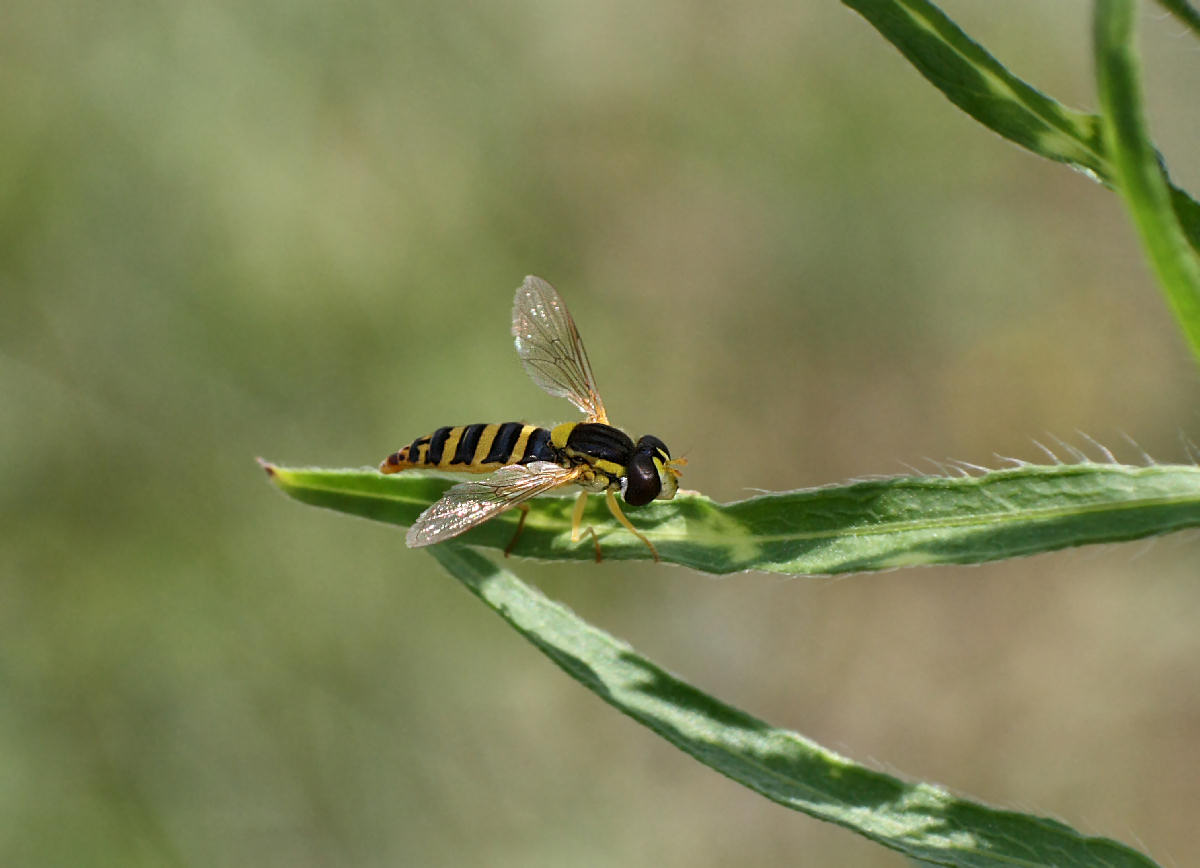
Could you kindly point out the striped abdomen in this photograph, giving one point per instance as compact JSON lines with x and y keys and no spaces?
{"x":474,"y":448}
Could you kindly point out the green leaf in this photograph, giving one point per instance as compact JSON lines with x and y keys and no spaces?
{"x":920,"y":820}
{"x":871,"y":525}
{"x":1185,"y":12}
{"x":980,"y":85}
{"x":1139,"y":175}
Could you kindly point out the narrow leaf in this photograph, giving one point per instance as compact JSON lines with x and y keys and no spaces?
{"x":920,"y":820}
{"x":1185,"y":12}
{"x":872,"y":525}
{"x":976,"y":82}
{"x":980,"y":85}
{"x":1138,"y":172}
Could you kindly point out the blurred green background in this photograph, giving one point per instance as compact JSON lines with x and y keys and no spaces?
{"x":293,"y":229}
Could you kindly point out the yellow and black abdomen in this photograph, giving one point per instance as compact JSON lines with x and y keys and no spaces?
{"x":480,"y":448}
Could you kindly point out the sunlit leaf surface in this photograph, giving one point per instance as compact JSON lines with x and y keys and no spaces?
{"x":870,"y":525}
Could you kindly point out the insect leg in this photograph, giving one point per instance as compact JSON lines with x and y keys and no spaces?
{"x":615,"y":509}
{"x":524,"y":507}
{"x":577,"y":520}
{"x":596,"y":543}
{"x":577,"y":515}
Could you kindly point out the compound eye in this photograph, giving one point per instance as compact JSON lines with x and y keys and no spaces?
{"x":650,"y":443}
{"x":642,"y":483}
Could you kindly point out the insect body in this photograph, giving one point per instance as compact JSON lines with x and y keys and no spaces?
{"x":526,"y":460}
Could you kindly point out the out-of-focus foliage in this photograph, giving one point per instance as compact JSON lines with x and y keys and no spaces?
{"x":294,"y":229}
{"x":1167,"y":221}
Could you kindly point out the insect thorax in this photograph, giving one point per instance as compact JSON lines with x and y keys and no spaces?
{"x":603,"y":449}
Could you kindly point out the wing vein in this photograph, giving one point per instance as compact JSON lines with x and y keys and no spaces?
{"x":551,"y":349}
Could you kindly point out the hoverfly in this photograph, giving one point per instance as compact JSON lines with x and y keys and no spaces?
{"x":526,"y":460}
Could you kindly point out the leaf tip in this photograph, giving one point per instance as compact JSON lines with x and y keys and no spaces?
{"x":267,"y":466}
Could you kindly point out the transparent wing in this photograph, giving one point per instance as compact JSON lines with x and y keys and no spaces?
{"x":550,"y":348}
{"x":471,"y":503}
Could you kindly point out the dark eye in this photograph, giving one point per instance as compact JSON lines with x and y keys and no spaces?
{"x":642,"y":484}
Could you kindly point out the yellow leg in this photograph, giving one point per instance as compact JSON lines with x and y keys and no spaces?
{"x":577,"y":520}
{"x":596,"y":543}
{"x":577,"y":515}
{"x":615,"y":509}
{"x":524,"y":507}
